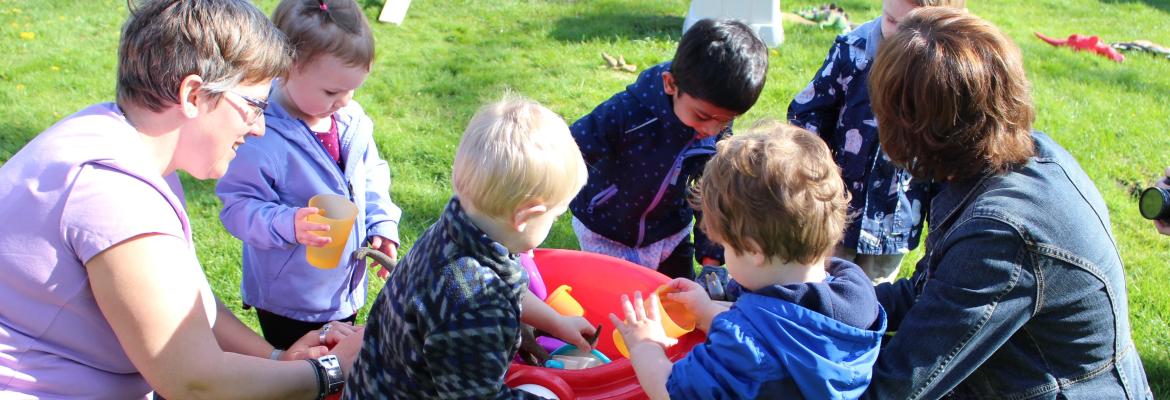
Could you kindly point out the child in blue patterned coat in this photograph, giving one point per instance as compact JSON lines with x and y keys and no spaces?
{"x":647,"y":143}
{"x":447,"y":323}
{"x":887,"y":203}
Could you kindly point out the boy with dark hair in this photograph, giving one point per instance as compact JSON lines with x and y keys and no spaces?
{"x":647,"y":143}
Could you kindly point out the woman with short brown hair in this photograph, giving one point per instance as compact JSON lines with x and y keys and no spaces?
{"x":1021,"y":292}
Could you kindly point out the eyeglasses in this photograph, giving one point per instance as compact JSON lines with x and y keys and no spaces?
{"x":258,"y":107}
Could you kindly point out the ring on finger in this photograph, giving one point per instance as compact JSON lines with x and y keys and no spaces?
{"x":324,"y":332}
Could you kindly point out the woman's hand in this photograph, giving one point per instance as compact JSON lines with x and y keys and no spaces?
{"x":387,"y":247}
{"x":643,"y":324}
{"x":304,"y":228}
{"x":317,"y":342}
{"x":347,"y":349}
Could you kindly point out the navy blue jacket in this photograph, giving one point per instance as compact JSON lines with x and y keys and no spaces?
{"x":835,"y":105}
{"x":641,"y":159}
{"x":812,"y":340}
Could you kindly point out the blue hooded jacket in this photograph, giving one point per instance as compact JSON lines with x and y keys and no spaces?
{"x":641,"y":159}
{"x":274,"y":175}
{"x":813,"y":340}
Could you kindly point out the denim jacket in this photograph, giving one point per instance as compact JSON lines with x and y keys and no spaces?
{"x":888,"y":203}
{"x":642,"y":160}
{"x":1021,"y":294}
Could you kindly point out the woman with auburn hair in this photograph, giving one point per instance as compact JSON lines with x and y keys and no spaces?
{"x":1021,"y":292}
{"x":101,"y":294}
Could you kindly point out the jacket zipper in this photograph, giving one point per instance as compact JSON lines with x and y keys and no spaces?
{"x":348,"y":192}
{"x":601,"y":198}
{"x":669,"y":179}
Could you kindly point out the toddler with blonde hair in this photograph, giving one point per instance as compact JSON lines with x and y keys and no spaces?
{"x":447,"y":323}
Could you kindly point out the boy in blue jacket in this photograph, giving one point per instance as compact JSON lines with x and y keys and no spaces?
{"x":318,"y":141}
{"x":889,"y":204}
{"x":647,"y":143}
{"x":804,"y":325}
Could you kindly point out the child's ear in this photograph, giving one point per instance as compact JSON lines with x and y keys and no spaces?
{"x":526,"y":212}
{"x":668,"y":84}
{"x":189,"y":95}
{"x":755,"y":255}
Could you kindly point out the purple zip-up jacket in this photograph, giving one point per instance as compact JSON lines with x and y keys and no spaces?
{"x":642,"y":160}
{"x":274,"y":175}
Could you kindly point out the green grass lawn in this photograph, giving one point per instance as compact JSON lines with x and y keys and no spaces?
{"x":450,"y":56}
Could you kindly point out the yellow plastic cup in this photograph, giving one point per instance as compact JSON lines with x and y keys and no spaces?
{"x":676,"y":321}
{"x":564,"y":303}
{"x":620,"y":343}
{"x":338,"y":212}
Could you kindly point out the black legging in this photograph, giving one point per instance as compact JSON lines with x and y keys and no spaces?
{"x":680,"y":263}
{"x":282,"y":332}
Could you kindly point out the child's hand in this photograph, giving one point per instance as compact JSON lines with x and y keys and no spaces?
{"x":694,"y":297}
{"x":573,"y":330}
{"x":688,"y":293}
{"x":643,"y":324}
{"x":387,"y":247}
{"x":302,"y":226}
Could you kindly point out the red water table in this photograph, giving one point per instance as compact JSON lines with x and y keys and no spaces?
{"x":598,"y":282}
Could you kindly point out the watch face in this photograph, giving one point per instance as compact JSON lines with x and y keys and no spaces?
{"x":333,"y":376}
{"x":329,"y":361}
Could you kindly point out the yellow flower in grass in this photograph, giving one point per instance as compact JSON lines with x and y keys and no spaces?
{"x":20,"y":87}
{"x":28,"y":35}
{"x":54,"y":68}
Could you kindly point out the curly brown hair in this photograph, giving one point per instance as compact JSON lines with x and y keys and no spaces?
{"x":775,"y":191}
{"x":951,"y":97}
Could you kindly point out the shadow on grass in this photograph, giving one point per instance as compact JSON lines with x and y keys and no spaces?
{"x":1158,"y":374}
{"x":583,"y":28}
{"x":1161,"y":5}
{"x":15,"y":137}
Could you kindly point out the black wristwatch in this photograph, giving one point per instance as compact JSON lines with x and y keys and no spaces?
{"x":329,"y":379}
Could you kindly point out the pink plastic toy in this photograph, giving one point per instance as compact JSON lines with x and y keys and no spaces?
{"x":535,"y":281}
{"x":1084,"y":43}
{"x":598,"y":282}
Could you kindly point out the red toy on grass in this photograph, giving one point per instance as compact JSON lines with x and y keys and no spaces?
{"x":1085,"y":43}
{"x":598,"y":282}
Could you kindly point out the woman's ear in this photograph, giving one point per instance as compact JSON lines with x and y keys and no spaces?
{"x":190,"y":94}
{"x":526,"y":212}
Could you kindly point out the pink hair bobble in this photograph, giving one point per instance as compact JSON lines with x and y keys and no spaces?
{"x":324,"y":7}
